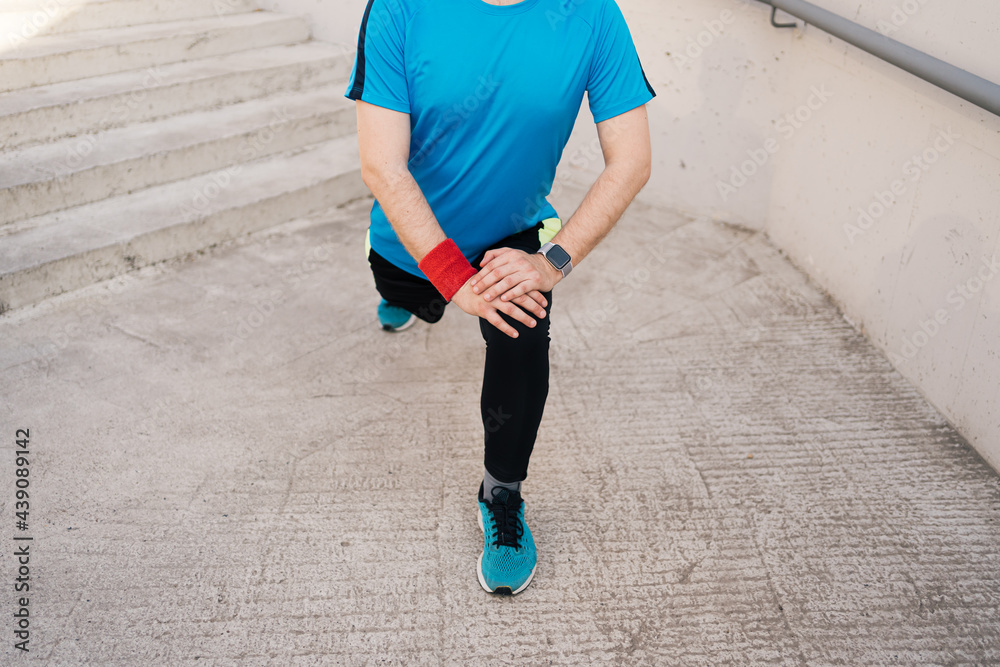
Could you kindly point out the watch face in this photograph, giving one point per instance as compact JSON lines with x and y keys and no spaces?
{"x":558,"y":257}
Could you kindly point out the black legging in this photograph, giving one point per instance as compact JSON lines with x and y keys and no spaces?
{"x":516,"y":376}
{"x":515,"y":385}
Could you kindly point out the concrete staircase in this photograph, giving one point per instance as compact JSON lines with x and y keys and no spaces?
{"x":134,"y":131}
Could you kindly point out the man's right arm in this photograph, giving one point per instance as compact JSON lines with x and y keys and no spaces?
{"x":384,"y":142}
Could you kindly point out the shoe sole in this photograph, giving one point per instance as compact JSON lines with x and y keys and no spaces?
{"x":409,"y":323}
{"x":499,"y":590}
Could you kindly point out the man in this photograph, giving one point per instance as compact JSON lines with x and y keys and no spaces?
{"x":464,"y":109}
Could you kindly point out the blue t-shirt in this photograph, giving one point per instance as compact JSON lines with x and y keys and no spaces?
{"x":493,"y":93}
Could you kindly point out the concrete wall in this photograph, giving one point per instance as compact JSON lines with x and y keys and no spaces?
{"x":885,"y":189}
{"x":891,"y":201}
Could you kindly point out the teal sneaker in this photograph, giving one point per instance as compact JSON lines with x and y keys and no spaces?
{"x":393,"y":318}
{"x":508,"y":561}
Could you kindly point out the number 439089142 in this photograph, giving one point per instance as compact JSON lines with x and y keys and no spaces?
{"x":21,"y":471}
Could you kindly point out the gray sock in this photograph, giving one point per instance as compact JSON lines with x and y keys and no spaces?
{"x":490,"y":483}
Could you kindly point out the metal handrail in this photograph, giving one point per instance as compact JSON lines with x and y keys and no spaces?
{"x":957,"y":81}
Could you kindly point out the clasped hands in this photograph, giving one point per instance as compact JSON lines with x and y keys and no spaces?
{"x":510,"y":282}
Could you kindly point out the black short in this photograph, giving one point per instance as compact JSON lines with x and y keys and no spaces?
{"x":417,"y":295}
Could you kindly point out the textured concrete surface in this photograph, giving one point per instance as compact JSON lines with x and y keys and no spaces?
{"x":172,"y":178}
{"x":41,"y":179}
{"x":22,"y":18}
{"x":98,"y":103}
{"x":56,"y":58}
{"x":66,"y":250}
{"x":232,"y":466}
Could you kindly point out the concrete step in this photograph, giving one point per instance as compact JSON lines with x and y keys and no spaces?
{"x":21,"y":20}
{"x":54,"y":58}
{"x":86,"y":244}
{"x":84,"y":169}
{"x":48,"y":113}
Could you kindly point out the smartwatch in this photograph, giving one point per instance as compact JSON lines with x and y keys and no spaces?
{"x":557,"y":257}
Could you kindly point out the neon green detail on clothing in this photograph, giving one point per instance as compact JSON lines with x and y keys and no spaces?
{"x":551,"y":227}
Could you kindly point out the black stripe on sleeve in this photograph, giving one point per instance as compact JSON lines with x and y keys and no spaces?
{"x":651,"y":91}
{"x":359,"y":76}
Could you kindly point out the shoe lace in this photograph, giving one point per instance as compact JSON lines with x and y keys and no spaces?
{"x":506,"y":522}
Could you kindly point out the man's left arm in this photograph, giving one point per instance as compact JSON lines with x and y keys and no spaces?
{"x":508,"y":273}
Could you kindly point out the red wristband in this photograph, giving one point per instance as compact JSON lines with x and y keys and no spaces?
{"x":447,"y":268}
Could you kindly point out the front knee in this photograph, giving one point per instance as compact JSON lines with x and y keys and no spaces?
{"x":533,"y":337}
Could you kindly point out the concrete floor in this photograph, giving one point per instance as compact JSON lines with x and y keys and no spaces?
{"x":232,"y":466}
